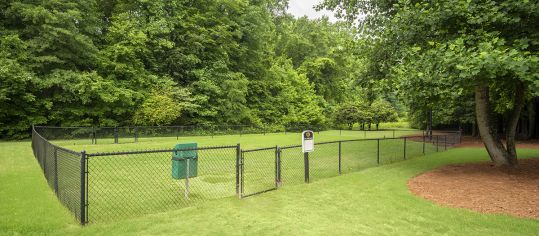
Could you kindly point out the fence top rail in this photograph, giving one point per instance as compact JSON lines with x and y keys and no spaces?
{"x":259,"y":149}
{"x":54,"y":145}
{"x":290,"y":146}
{"x":157,"y":151}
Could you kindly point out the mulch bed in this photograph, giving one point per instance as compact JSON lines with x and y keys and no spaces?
{"x":483,"y":187}
{"x":468,"y":141}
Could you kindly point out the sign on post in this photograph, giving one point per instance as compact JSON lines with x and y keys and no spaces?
{"x":307,"y":141}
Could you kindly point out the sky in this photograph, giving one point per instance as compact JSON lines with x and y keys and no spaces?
{"x":300,"y":8}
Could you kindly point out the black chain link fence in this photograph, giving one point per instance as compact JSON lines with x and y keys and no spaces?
{"x":124,"y":184}
{"x":64,"y":170}
{"x":99,"y":187}
{"x":133,"y":134}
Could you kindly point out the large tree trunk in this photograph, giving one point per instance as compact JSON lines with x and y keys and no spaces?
{"x":512,"y":122}
{"x":500,"y":155}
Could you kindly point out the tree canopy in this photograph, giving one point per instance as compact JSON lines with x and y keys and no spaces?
{"x":110,"y":62}
{"x":438,"y":53}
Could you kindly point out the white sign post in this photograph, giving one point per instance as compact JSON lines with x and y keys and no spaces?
{"x":307,"y":141}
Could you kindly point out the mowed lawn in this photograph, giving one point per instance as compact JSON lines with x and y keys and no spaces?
{"x":371,"y":201}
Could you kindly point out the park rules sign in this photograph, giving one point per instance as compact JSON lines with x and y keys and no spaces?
{"x":307,"y":141}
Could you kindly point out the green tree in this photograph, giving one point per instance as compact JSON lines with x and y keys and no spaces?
{"x":383,"y":111}
{"x":348,"y":114}
{"x":489,"y":47}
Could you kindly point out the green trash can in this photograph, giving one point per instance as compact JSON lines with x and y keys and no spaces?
{"x":181,"y":160}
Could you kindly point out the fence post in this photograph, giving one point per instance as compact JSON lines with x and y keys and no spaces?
{"x":378,"y":151}
{"x":423,"y":143}
{"x":276,"y":166}
{"x":445,"y":142}
{"x":306,"y":162}
{"x":404,"y":148}
{"x":136,"y":134}
{"x":340,"y":157}
{"x":242,"y":183}
{"x":238,"y":156}
{"x":83,"y":188}
{"x":94,"y":136}
{"x":56,"y":170}
{"x":115,"y":135}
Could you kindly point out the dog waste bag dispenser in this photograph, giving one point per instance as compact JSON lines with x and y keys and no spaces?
{"x":184,"y":161}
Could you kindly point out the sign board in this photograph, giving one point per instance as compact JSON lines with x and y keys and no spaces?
{"x":307,"y":141}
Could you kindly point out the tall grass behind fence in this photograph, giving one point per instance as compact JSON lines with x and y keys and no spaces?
{"x":99,"y":187}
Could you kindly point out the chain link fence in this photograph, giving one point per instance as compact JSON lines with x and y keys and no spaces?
{"x":99,"y":187}
{"x":64,"y":171}
{"x":133,"y":134}
{"x":124,"y":184}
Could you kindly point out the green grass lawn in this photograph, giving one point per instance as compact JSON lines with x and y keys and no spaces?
{"x":370,"y":201}
{"x":123,"y":186}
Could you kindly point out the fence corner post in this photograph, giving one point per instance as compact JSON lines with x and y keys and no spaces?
{"x":404,"y":148}
{"x":83,"y":204}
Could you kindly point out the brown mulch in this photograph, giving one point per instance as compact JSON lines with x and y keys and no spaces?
{"x":468,"y":141}
{"x":483,"y":187}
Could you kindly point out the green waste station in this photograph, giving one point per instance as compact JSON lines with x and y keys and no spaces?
{"x":184,"y":161}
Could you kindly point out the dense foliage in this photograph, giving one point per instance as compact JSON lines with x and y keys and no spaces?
{"x":160,"y":62}
{"x":443,"y":56}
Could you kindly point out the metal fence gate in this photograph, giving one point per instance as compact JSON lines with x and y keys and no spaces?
{"x":259,"y":170}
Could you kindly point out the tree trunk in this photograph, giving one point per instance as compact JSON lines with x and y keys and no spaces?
{"x":489,"y":134}
{"x":512,"y":122}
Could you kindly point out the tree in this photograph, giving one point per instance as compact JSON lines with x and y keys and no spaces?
{"x":163,"y":106}
{"x":383,"y":111}
{"x":485,"y":47}
{"x":122,"y":62}
{"x":348,"y":114}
